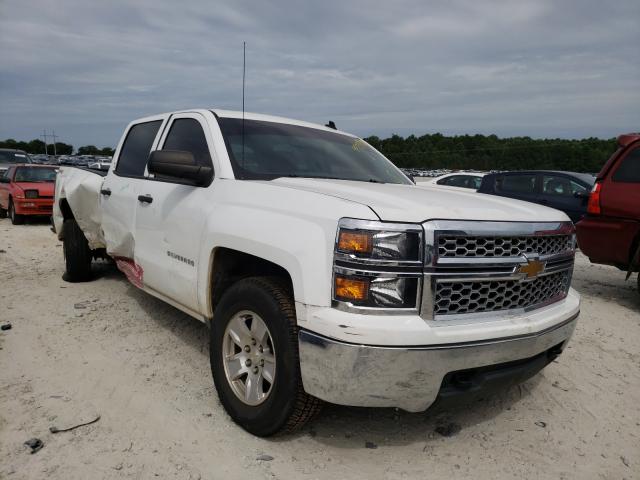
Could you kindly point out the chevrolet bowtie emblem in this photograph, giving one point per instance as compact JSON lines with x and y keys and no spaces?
{"x":532,"y":268}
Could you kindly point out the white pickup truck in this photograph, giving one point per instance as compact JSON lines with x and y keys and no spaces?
{"x":323,"y":272}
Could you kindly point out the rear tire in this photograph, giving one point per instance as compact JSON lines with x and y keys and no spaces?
{"x":282,"y":404}
{"x":77,"y":254}
{"x":16,"y":219}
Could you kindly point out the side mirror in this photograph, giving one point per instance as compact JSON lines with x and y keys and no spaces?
{"x":179,"y":166}
{"x":5,"y":180}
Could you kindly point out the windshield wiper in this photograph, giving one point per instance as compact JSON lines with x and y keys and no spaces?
{"x":294,"y":175}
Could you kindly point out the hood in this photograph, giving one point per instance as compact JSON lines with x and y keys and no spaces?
{"x":45,"y":189}
{"x":415,"y":204}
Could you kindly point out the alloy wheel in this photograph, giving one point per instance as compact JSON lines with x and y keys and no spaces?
{"x":249,"y":357}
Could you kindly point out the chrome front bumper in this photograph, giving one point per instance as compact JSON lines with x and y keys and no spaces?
{"x":407,"y":377}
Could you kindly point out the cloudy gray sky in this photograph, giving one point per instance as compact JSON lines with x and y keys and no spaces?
{"x":565,"y":68}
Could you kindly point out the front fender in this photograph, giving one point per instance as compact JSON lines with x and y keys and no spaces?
{"x":293,"y":229}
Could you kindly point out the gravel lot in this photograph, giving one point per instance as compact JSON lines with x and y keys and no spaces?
{"x":79,"y":350}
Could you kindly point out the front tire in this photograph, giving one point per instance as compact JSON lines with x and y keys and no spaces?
{"x":254,"y":358}
{"x":77,"y":254}
{"x":16,"y":219}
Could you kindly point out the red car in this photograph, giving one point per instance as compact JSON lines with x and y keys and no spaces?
{"x":610,"y":233}
{"x":27,"y":190}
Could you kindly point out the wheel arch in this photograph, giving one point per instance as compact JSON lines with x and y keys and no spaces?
{"x":228,"y":265}
{"x":66,"y":213}
{"x":65,"y":209}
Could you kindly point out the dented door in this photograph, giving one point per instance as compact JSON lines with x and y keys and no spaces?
{"x":118,"y":195}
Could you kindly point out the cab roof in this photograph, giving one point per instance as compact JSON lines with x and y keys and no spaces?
{"x":628,"y":138}
{"x":272,"y":118}
{"x":221,"y":113}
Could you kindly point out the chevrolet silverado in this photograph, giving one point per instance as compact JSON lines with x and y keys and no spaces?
{"x":323,"y":272}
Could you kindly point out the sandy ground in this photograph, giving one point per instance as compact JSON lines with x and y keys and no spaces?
{"x":79,"y":350}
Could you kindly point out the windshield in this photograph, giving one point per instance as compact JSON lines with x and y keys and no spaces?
{"x":14,"y":157}
{"x":273,"y":150}
{"x":34,"y":174}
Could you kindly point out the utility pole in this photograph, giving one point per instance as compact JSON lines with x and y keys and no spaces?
{"x":44,"y":136}
{"x":54,"y":136}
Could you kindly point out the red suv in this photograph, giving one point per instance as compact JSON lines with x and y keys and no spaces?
{"x":610,"y":233}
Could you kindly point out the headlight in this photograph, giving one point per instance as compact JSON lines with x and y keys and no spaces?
{"x":377,"y":266}
{"x":379,"y":242}
{"x":376,"y":290}
{"x":31,"y":194}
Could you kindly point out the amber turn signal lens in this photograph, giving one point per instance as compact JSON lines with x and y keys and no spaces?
{"x":355,"y":242}
{"x":351,"y":288}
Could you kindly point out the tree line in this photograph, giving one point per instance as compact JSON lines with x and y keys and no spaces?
{"x":38,"y":147}
{"x":432,"y":151}
{"x":488,"y":152}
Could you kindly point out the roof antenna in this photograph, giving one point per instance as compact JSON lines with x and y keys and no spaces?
{"x":244,"y":62}
{"x":331,"y":124}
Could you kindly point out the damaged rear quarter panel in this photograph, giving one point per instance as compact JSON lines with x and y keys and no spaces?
{"x":81,"y":189}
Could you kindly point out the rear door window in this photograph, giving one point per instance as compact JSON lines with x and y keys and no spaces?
{"x":464,"y":181}
{"x":136,"y":148}
{"x":578,"y":188}
{"x":558,"y":186}
{"x":454,"y":181}
{"x":475,"y":182}
{"x":516,"y":184}
{"x":629,"y":169}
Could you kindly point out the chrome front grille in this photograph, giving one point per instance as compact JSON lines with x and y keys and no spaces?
{"x":461,"y":297}
{"x":473,"y":268}
{"x":455,"y":246}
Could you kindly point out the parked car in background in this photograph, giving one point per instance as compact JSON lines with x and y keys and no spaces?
{"x":10,"y":157}
{"x":26,"y":190}
{"x":65,"y":160}
{"x":100,"y":163}
{"x":84,"y":160}
{"x":43,"y":159}
{"x":610,"y":233}
{"x":565,"y":191}
{"x":470,"y":180}
{"x":40,"y":158}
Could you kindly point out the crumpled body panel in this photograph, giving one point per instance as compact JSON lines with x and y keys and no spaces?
{"x":81,"y":189}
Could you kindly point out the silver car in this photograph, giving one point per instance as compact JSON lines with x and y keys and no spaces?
{"x":10,"y":157}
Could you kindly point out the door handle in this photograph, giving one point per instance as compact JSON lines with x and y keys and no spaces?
{"x":145,"y":198}
{"x":105,"y":191}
